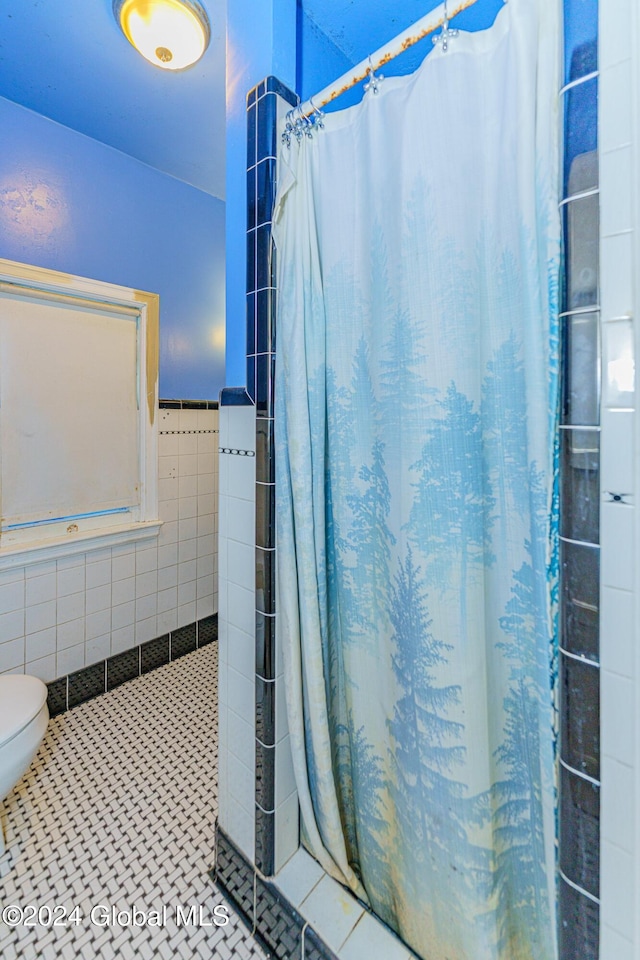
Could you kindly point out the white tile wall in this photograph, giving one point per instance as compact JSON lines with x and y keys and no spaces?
{"x":59,"y":616}
{"x":236,"y":628}
{"x":619,"y":63}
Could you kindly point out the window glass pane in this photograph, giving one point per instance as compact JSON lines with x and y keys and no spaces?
{"x":581,"y":370}
{"x":580,"y":485}
{"x":581,"y":137}
{"x":582,"y":225}
{"x":580,"y":38}
{"x":580,"y":599}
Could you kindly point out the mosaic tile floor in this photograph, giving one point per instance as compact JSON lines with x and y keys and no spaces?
{"x":118,"y":811}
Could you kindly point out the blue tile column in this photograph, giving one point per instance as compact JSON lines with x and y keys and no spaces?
{"x":579,"y":769}
{"x":262,"y":117}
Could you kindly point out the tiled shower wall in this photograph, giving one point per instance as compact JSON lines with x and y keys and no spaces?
{"x":619,"y":145}
{"x":60,"y":616}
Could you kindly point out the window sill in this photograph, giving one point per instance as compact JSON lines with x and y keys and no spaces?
{"x":54,"y":549}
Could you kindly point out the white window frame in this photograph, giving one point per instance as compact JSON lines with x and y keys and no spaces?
{"x":49,"y":540}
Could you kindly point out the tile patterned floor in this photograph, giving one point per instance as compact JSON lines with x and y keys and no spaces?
{"x":118,"y":810}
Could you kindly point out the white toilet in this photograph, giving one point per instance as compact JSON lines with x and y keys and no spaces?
{"x":23,"y":722}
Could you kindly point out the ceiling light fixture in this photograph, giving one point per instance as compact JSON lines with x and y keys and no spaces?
{"x":171,"y":34}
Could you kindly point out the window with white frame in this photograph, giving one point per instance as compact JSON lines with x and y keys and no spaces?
{"x":78,"y":425}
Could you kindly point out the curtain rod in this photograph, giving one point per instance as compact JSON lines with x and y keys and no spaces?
{"x":417,"y":31}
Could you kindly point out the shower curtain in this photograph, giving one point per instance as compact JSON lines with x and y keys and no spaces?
{"x":417,"y":239}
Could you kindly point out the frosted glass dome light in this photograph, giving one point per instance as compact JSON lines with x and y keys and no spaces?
{"x":171,"y":34}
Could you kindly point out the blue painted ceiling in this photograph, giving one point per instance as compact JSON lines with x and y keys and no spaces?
{"x":67,"y":60}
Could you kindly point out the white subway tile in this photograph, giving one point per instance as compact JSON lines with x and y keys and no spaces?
{"x":300,"y":875}
{"x":98,"y":555}
{"x":240,"y":738}
{"x":146,"y":560}
{"x":44,"y":669}
{"x":97,"y":623}
{"x":70,"y":607}
{"x":123,"y":639}
{"x":207,"y":461}
{"x":205,"y":419}
{"x":242,"y":477}
{"x":12,"y":596}
{"x":241,"y":521}
{"x":167,"y":620}
{"x":241,"y":564}
{"x":285,"y":782}
{"x":168,"y":445}
{"x":613,"y":946}
{"x":187,"y":571}
{"x":99,"y":648}
{"x":188,"y":445}
{"x":40,"y":644}
{"x":186,"y":614}
{"x":370,"y":938}
{"x":12,"y":576}
{"x":187,"y":550}
{"x":188,"y":529}
{"x":167,"y":467}
{"x":617,"y":630}
{"x":167,"y":599}
{"x":207,"y":443}
{"x":98,"y":598}
{"x":41,"y":589}
{"x":146,"y":607}
{"x":241,"y":612}
{"x":205,"y":565}
{"x":169,"y":419}
{"x":332,"y":911}
{"x":617,"y":567}
{"x":206,"y":504}
{"x":617,"y":717}
{"x":240,"y":827}
{"x":187,"y":507}
{"x":123,"y":615}
{"x":40,"y":616}
{"x":123,"y":590}
{"x":241,"y":785}
{"x":186,"y":592}
{"x":167,"y":577}
{"x":242,"y":428}
{"x":167,"y":555}
{"x":146,"y":583}
{"x":40,"y":569}
{"x":616,"y":276}
{"x":617,"y":889}
{"x":188,"y":486}
{"x":188,"y":465}
{"x":614,"y":43}
{"x":205,"y":607}
{"x":12,"y":625}
{"x":70,"y":633}
{"x":146,"y":630}
{"x":168,"y":510}
{"x":617,"y":451}
{"x":70,"y":581}
{"x":615,"y":109}
{"x":70,"y":660}
{"x":124,"y":566}
{"x":615,"y":189}
{"x":67,"y":563}
{"x":618,"y":365}
{"x":204,"y":587}
{"x":241,"y":693}
{"x":206,"y":484}
{"x":98,"y":574}
{"x":11,"y":654}
{"x":206,"y":525}
{"x":618,"y":804}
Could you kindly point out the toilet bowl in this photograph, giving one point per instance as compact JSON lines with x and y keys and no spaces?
{"x":23,"y":722}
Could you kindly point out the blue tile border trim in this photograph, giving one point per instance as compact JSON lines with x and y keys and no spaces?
{"x":64,"y":693}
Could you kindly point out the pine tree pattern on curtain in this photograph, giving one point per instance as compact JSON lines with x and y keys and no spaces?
{"x":416,"y":403}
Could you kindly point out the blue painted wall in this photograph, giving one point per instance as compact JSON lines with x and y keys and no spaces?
{"x":70,"y":203}
{"x":261,"y":41}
